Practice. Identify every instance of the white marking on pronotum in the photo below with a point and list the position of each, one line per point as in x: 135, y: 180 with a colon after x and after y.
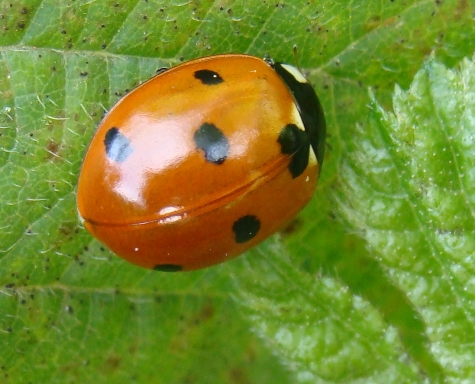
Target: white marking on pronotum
x: 297, y: 118
x: 295, y: 73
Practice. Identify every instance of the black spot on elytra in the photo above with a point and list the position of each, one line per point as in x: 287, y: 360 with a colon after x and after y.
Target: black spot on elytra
x: 294, y: 142
x: 208, y: 77
x: 168, y: 268
x: 246, y: 228
x: 118, y: 147
x: 212, y: 141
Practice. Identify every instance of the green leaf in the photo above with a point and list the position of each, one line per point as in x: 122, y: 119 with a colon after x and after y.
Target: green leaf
x: 323, y: 331
x: 408, y: 188
x: 73, y: 312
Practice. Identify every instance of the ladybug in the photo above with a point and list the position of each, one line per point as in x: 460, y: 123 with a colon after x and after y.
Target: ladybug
x: 202, y: 162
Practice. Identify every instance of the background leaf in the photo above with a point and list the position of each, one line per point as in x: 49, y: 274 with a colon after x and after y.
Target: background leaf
x: 73, y: 312
x: 414, y: 204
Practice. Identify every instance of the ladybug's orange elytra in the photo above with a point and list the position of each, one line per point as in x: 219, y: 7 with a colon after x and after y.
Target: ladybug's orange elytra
x: 202, y: 162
